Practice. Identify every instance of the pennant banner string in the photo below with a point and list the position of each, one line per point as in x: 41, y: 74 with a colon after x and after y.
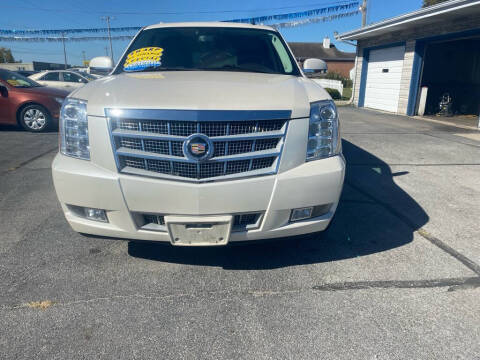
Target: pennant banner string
x: 60, y: 39
x: 282, y: 25
x: 252, y: 20
x: 314, y: 20
x: 68, y: 31
x: 300, y: 14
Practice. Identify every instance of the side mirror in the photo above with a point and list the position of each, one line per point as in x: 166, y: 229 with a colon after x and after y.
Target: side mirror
x: 3, y: 91
x: 313, y: 66
x: 100, y: 65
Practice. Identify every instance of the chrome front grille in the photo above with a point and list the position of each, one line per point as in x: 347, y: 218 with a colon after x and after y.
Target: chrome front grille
x: 151, y: 142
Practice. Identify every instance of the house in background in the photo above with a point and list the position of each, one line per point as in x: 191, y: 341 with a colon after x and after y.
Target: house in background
x: 16, y: 66
x: 337, y: 61
x: 35, y: 65
x: 407, y: 63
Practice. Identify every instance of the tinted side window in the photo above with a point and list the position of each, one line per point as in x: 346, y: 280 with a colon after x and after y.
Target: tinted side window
x: 51, y: 76
x: 71, y: 77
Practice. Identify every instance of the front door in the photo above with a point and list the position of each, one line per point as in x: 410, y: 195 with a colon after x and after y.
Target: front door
x: 52, y: 79
x: 5, y: 104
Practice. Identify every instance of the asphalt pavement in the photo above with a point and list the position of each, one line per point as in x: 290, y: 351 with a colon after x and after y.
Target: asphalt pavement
x: 396, y: 276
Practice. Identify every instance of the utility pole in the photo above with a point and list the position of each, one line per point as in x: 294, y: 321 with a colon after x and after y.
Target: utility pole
x: 108, y: 18
x: 84, y: 58
x: 64, y: 50
x: 363, y: 9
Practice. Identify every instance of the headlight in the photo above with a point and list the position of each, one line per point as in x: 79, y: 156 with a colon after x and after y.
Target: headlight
x: 323, y: 133
x: 74, y: 129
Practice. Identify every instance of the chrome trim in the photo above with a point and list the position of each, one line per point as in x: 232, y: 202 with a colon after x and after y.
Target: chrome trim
x: 112, y: 142
x: 199, y: 115
x: 133, y: 157
x: 186, y: 148
x: 153, y: 136
x: 243, y: 156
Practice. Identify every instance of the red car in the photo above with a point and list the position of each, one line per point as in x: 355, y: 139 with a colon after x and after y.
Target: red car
x: 27, y: 103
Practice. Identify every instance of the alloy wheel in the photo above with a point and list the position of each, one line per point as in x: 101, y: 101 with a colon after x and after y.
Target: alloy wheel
x: 35, y: 119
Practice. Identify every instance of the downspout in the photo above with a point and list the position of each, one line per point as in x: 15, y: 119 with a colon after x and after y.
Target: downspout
x: 350, y: 102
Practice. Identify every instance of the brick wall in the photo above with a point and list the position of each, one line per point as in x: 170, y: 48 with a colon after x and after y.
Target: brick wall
x: 341, y: 67
x: 406, y: 77
x: 357, y: 75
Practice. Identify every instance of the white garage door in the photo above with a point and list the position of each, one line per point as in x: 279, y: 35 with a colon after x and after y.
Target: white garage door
x: 384, y: 73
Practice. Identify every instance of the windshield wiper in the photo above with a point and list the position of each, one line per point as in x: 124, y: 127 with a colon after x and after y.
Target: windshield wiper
x: 219, y: 68
x: 236, y: 68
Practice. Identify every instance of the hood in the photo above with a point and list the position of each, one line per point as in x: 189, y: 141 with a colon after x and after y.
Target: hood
x: 199, y: 90
x: 45, y: 90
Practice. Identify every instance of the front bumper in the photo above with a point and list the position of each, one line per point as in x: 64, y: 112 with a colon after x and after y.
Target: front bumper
x: 83, y: 183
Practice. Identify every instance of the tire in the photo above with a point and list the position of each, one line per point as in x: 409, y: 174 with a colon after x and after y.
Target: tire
x: 35, y: 118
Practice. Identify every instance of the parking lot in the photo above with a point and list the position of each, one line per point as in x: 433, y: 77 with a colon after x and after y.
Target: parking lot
x: 396, y: 276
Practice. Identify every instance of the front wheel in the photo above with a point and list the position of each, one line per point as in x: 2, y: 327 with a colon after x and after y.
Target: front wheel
x: 35, y: 118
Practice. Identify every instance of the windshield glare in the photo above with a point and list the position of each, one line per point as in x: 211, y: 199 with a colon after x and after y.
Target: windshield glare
x: 210, y: 49
x: 16, y: 80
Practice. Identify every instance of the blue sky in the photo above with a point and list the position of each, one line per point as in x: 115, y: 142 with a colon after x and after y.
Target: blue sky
x: 63, y: 14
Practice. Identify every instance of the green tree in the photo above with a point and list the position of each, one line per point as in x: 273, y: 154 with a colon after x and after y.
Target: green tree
x: 427, y: 3
x: 6, y: 55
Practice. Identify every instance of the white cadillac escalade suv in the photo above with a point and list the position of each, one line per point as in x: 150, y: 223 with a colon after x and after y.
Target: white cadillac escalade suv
x: 203, y: 134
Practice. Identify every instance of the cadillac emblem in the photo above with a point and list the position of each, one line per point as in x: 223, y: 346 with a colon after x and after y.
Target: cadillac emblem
x: 198, y: 147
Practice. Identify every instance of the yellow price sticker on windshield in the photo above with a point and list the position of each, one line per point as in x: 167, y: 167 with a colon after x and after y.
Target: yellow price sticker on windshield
x: 143, y: 58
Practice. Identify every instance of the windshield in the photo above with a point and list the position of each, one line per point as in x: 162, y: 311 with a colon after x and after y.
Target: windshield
x: 210, y: 49
x: 16, y: 80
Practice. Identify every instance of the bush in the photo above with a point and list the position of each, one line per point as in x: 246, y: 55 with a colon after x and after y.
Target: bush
x: 334, y: 93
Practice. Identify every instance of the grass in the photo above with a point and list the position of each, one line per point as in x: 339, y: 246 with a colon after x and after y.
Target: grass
x: 347, y: 93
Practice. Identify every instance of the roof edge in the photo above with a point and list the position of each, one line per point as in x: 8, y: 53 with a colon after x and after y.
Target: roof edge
x: 441, y: 8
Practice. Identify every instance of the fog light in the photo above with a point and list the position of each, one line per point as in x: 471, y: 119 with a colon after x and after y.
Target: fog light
x: 301, y: 214
x: 309, y: 212
x: 89, y: 213
x: 96, y: 214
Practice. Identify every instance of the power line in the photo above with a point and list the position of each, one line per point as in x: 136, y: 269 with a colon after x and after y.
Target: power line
x: 71, y: 19
x: 15, y: 34
x: 181, y: 12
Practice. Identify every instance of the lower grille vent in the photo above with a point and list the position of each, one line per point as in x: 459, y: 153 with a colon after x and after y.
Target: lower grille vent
x: 241, y: 222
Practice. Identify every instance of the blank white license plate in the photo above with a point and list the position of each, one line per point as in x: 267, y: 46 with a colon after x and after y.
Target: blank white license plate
x: 199, y: 230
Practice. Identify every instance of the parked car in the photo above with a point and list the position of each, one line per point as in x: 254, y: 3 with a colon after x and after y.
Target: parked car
x: 27, y: 103
x: 62, y: 79
x: 26, y: 73
x: 203, y: 134
x: 79, y: 69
